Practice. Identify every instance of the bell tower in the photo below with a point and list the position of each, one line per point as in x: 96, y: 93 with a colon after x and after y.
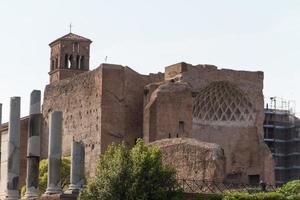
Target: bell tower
x: 70, y: 56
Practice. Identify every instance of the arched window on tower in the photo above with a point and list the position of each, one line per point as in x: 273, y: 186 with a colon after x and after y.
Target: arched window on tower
x: 56, y: 63
x: 66, y: 61
x: 77, y: 62
x: 71, y: 65
x: 82, y: 62
x: 52, y: 65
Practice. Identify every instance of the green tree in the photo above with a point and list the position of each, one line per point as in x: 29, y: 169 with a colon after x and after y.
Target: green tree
x: 136, y: 174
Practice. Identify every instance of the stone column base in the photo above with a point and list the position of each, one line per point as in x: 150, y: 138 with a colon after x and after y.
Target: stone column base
x: 31, y: 193
x: 58, y: 197
x: 53, y: 190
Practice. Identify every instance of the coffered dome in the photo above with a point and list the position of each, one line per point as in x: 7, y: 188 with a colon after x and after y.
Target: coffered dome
x: 224, y: 103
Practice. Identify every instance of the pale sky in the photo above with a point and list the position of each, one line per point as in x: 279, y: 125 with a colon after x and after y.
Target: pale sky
x: 256, y: 35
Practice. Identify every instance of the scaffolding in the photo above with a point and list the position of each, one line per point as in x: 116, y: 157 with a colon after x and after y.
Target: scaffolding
x: 282, y: 135
x: 280, y: 104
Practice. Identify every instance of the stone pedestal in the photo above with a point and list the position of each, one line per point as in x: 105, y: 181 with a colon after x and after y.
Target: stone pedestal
x: 13, y: 151
x: 54, y: 153
x: 58, y: 197
x: 77, y: 167
x: 33, y: 148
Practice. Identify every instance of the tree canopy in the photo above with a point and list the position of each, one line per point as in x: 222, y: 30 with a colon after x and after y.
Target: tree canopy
x: 126, y: 174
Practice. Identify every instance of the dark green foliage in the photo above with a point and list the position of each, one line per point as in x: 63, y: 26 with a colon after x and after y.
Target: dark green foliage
x: 257, y: 196
x: 210, y: 196
x: 289, y: 191
x: 269, y: 196
x: 293, y: 197
x: 290, y: 188
x: 244, y: 196
x: 132, y: 174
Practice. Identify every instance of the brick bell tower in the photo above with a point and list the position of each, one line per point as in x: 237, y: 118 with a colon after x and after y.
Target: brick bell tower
x: 70, y: 56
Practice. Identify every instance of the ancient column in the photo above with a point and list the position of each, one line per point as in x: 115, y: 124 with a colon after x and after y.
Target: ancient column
x: 77, y: 167
x: 54, y: 153
x: 13, y: 151
x: 33, y: 145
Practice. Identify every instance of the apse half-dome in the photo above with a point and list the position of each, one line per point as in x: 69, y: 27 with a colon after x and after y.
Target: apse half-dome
x: 223, y: 103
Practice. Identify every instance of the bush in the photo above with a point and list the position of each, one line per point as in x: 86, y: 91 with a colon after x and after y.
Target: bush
x: 290, y: 188
x: 270, y: 196
x: 210, y: 196
x: 43, y: 175
x: 293, y: 197
x: 257, y: 196
x: 138, y: 173
x: 238, y: 196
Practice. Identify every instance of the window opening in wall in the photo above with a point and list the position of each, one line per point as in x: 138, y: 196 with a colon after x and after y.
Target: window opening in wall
x: 52, y: 64
x: 181, y: 127
x: 169, y: 135
x: 56, y: 63
x: 70, y: 64
x: 82, y: 62
x: 253, y: 179
x: 66, y: 61
x: 78, y: 62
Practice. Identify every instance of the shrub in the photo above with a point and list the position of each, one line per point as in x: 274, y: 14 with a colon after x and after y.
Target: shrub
x: 210, y: 196
x: 238, y: 196
x: 293, y: 197
x: 290, y: 188
x: 270, y: 196
x: 257, y: 196
x: 138, y: 173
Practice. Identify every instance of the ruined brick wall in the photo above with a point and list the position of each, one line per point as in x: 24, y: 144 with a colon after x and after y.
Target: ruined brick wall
x: 193, y: 159
x: 79, y: 98
x: 63, y: 74
x: 99, y: 107
x: 167, y: 111
x: 122, y: 104
x: 228, y: 110
x: 23, y: 150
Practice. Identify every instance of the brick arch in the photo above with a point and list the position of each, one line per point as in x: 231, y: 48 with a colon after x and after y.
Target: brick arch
x: 223, y: 103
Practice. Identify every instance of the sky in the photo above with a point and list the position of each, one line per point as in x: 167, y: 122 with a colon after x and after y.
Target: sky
x: 256, y: 35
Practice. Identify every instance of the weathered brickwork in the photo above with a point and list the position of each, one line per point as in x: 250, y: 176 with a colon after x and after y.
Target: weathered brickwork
x: 79, y: 99
x: 168, y: 111
x: 193, y: 159
x: 228, y: 110
x: 99, y: 107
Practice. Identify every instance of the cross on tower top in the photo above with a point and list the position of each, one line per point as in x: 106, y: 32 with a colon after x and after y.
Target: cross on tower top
x: 70, y: 27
